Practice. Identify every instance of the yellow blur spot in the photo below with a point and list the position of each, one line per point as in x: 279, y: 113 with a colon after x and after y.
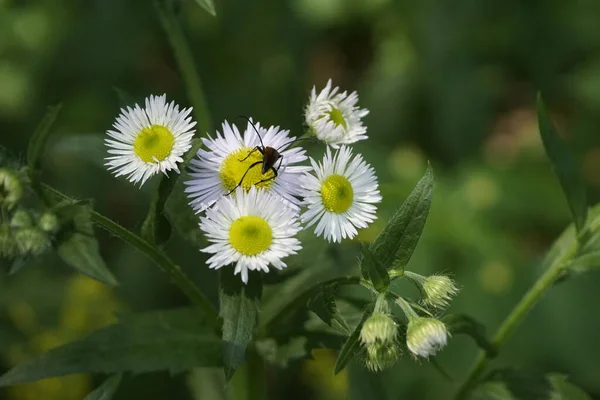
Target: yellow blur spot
x: 318, y: 373
x: 481, y: 192
x: 22, y: 316
x: 496, y: 277
x: 406, y: 163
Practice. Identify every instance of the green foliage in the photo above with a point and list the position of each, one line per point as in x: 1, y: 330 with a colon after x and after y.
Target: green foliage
x: 464, y: 324
x: 323, y: 304
x: 376, y: 271
x: 174, y: 340
x: 156, y: 228
x: 351, y: 346
x: 239, y: 309
x: 37, y: 143
x: 585, y: 262
x: 395, y: 244
x: 564, y: 390
x: 565, y: 166
x: 77, y: 245
x: 107, y: 390
x: 208, y: 5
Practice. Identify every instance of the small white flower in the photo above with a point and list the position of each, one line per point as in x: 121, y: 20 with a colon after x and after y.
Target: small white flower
x: 425, y: 336
x: 334, y: 117
x: 149, y: 140
x: 252, y: 229
x: 341, y: 197
x: 230, y: 157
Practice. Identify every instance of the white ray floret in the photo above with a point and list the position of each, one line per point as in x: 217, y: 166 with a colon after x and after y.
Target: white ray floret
x: 149, y: 140
x: 334, y: 117
x: 252, y: 229
x: 220, y: 166
x: 340, y: 196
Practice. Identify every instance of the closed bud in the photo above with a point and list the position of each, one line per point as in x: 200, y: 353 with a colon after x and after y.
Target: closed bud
x: 425, y: 336
x: 21, y: 219
x: 380, y: 356
x: 11, y: 188
x: 48, y: 222
x: 379, y: 328
x: 439, y: 290
x: 32, y: 241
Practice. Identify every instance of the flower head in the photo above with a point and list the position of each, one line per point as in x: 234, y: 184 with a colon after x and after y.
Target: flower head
x: 439, y: 290
x: 149, y: 140
x: 334, y: 117
x: 252, y: 229
x: 341, y: 197
x: 233, y: 159
x: 11, y: 188
x: 379, y: 327
x: 425, y: 336
x: 380, y: 356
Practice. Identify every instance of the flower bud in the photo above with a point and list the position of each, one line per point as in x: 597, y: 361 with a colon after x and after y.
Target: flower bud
x: 48, y: 222
x: 21, y: 219
x: 380, y: 328
x: 425, y: 336
x: 11, y: 188
x: 381, y: 356
x: 439, y: 290
x: 32, y: 241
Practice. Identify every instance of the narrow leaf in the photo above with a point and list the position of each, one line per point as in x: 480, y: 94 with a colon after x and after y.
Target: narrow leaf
x: 239, y: 309
x: 565, y: 166
x: 156, y: 228
x: 40, y: 136
x: 78, y: 247
x: 395, y: 244
x: 208, y: 5
x: 351, y: 345
x: 107, y: 390
x: 323, y: 304
x: 585, y: 262
x: 476, y: 330
x: 375, y: 270
x: 566, y: 390
x: 174, y: 340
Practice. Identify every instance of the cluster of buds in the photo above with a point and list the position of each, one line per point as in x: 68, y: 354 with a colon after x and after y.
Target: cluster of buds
x: 425, y: 336
x: 379, y: 336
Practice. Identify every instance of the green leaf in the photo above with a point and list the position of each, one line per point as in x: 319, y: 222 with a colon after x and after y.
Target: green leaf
x: 585, y: 262
x: 107, y: 390
x: 37, y: 143
x: 77, y: 245
x: 395, y: 244
x: 376, y: 271
x: 208, y: 5
x: 464, y: 324
x: 86, y: 147
x: 323, y: 304
x: 239, y: 309
x: 177, y: 207
x: 282, y: 354
x: 156, y: 228
x: 565, y: 165
x: 351, y: 346
x: 564, y: 390
x: 174, y: 340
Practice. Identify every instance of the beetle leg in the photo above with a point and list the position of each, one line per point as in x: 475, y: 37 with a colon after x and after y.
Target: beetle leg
x: 252, y: 151
x: 242, y: 180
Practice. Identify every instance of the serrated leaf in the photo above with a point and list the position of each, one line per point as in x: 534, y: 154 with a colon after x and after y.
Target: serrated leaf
x: 565, y: 166
x: 395, y: 244
x: 37, y: 143
x: 564, y: 390
x: 239, y: 309
x: 351, y: 345
x: 208, y: 5
x: 585, y: 262
x: 460, y: 323
x: 177, y: 207
x: 376, y: 271
x: 107, y: 390
x: 323, y: 304
x: 174, y: 340
x: 78, y: 247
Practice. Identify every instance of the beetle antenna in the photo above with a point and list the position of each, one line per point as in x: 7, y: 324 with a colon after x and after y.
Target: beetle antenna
x: 312, y: 139
x: 256, y: 130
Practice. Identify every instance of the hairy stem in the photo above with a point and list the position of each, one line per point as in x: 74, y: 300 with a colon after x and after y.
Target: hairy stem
x: 160, y: 259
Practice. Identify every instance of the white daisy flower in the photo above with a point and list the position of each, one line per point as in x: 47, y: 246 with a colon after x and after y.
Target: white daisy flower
x: 341, y: 197
x: 334, y: 117
x: 231, y: 158
x: 253, y: 229
x: 149, y: 140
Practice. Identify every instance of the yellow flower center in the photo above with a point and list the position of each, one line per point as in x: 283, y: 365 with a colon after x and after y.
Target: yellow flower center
x: 250, y: 235
x: 154, y: 143
x: 336, y: 116
x: 337, y: 193
x: 233, y: 169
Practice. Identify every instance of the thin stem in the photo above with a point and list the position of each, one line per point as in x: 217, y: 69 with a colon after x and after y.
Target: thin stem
x: 547, y: 280
x: 187, y: 66
x: 155, y: 254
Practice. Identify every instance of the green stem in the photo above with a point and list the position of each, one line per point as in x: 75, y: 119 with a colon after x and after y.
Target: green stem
x: 156, y: 255
x: 547, y: 280
x: 187, y: 66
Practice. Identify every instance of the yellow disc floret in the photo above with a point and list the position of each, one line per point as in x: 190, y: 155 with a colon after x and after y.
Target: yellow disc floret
x: 250, y: 235
x: 336, y: 116
x: 153, y: 143
x: 233, y: 169
x: 337, y: 193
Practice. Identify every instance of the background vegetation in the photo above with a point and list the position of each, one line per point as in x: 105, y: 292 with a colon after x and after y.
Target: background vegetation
x: 449, y: 82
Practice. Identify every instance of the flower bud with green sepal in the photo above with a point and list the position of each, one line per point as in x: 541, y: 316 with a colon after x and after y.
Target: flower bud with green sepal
x: 437, y: 290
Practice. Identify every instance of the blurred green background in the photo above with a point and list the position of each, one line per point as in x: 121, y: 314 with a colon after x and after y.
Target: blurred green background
x: 449, y: 82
